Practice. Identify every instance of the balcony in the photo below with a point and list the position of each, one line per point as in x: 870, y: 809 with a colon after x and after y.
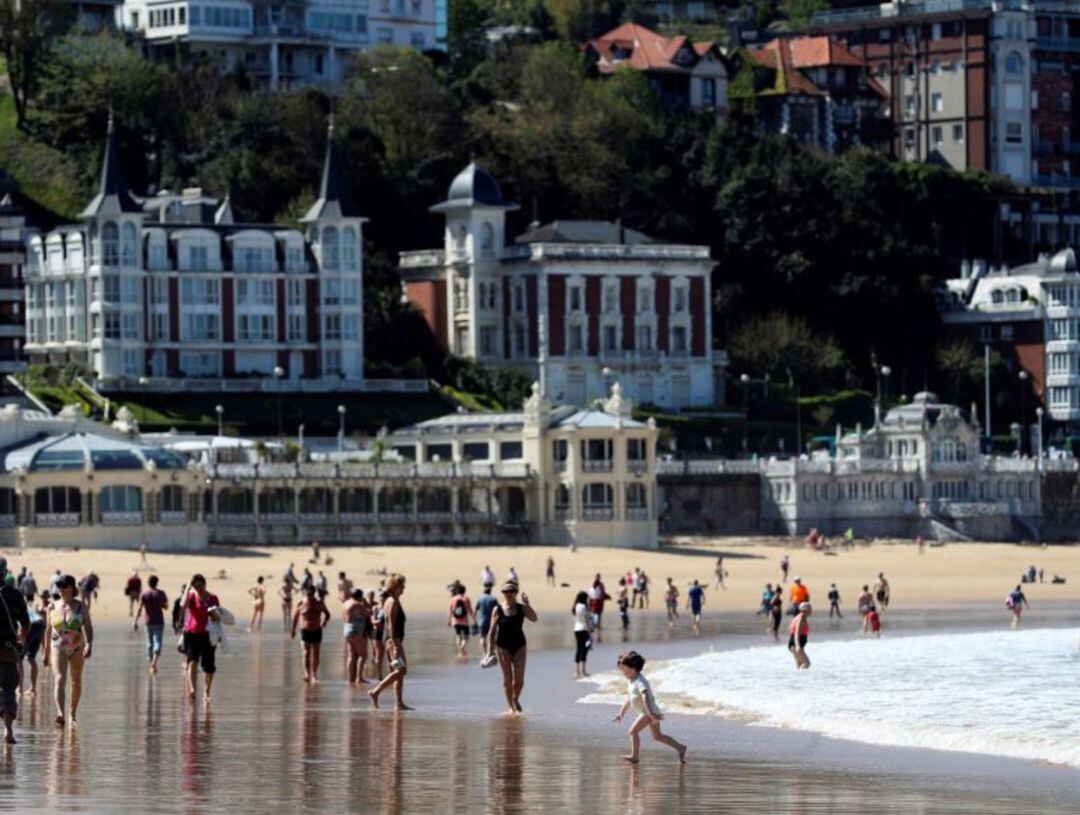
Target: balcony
x: 173, y: 518
x: 637, y: 513
x: 598, y: 513
x: 597, y: 465
x: 121, y: 518
x: 1070, y: 44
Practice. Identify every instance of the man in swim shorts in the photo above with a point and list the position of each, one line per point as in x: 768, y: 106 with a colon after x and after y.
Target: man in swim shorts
x: 315, y: 615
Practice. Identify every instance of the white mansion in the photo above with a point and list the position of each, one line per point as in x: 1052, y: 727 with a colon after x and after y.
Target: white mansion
x: 173, y: 292
x: 579, y: 304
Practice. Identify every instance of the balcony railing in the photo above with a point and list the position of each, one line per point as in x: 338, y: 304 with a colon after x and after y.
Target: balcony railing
x: 597, y: 465
x: 53, y: 519
x: 121, y: 518
x: 598, y: 513
x: 173, y: 518
x: 637, y: 513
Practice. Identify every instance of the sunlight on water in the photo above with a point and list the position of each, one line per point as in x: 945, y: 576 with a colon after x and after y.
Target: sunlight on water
x: 1006, y: 693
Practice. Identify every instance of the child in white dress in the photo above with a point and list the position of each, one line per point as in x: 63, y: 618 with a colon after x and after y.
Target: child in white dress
x: 639, y: 695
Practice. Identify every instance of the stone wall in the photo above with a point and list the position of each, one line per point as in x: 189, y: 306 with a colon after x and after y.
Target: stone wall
x: 714, y: 504
x: 1061, y: 506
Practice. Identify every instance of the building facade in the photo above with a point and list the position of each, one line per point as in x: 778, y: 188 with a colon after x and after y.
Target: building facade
x: 285, y: 44
x: 685, y: 75
x: 578, y: 304
x: 13, y: 234
x: 1055, y: 112
x: 815, y: 90
x: 171, y: 292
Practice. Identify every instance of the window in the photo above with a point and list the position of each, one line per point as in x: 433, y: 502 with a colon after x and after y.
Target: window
x: 332, y: 327
x: 958, y: 134
x: 562, y: 501
x: 708, y: 92
x: 350, y: 327
x: 255, y: 292
x: 128, y: 244
x: 937, y: 103
x: 159, y: 326
x: 510, y: 451
x: 678, y: 339
x: 488, y: 339
x: 57, y: 501
x: 937, y: 137
x: 129, y: 326
x: 385, y: 35
x: 1014, y: 65
x: 349, y: 250
x: 635, y: 449
x: 644, y: 338
x: 597, y: 500
x: 297, y: 327
x: 129, y: 291
x: 475, y: 451
x: 112, y: 325
x: 574, y: 338
x: 1014, y: 132
x: 611, y: 338
x: 197, y: 259
x: 636, y: 502
x: 416, y: 40
x: 131, y: 362
x: 120, y: 499
x: 611, y: 299
x: 199, y: 292
x: 256, y: 327
x: 679, y: 300
x: 560, y: 450
x: 200, y: 327
x: 332, y: 363
x: 200, y: 364
x: 330, y: 248
x: 575, y: 298
x: 110, y: 244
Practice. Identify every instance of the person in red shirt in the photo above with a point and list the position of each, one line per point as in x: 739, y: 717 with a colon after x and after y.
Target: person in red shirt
x: 200, y: 607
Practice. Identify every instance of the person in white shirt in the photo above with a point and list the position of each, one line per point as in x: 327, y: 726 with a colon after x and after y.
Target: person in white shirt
x: 582, y: 633
x: 487, y: 577
x: 639, y: 696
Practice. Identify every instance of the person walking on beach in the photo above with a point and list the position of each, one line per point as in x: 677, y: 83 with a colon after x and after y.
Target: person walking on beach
x: 776, y: 613
x: 800, y: 632
x: 133, y: 591
x: 487, y: 577
x: 315, y: 615
x: 314, y: 552
x: 551, y: 571
x: 485, y: 605
x: 289, y: 578
x: 507, y: 640
x: 88, y: 588
x: 799, y: 594
x: 258, y: 605
x: 720, y: 573
x: 378, y: 630
x: 461, y: 611
x: 14, y: 627
x: 582, y: 633
x: 639, y: 696
x: 344, y: 588
x: 71, y: 637
x: 200, y: 608
x: 153, y: 602
x: 766, y: 600
x: 785, y: 564
x: 357, y: 616
x: 36, y: 610
x: 1016, y: 602
x: 322, y: 587
x: 643, y: 590
x: 834, y: 601
x: 286, y: 595
x: 394, y: 633
x: 597, y: 595
x: 623, y: 599
x: 695, y: 599
x: 178, y: 610
x: 671, y: 600
x: 881, y: 590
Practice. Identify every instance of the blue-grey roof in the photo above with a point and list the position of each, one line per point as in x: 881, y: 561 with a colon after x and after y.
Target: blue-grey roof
x: 593, y: 419
x: 71, y: 451
x: 473, y: 186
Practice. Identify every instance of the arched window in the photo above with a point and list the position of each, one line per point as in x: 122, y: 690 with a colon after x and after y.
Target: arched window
x: 128, y: 244
x: 330, y: 248
x: 597, y: 502
x: 487, y: 238
x: 1014, y: 64
x: 110, y: 244
x: 120, y: 505
x: 349, y: 247
x: 996, y: 296
x: 57, y: 506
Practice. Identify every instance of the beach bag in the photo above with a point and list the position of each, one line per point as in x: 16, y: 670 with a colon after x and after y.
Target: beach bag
x: 459, y: 608
x: 1009, y: 602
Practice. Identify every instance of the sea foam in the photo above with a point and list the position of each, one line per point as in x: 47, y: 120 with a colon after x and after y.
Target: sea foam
x: 1005, y: 693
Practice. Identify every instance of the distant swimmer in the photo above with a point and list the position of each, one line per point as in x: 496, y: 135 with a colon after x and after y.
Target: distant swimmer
x: 1016, y: 602
x: 834, y: 601
x: 800, y: 632
x: 695, y: 599
x: 639, y: 696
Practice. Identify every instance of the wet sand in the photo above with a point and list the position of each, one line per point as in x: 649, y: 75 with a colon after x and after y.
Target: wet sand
x: 950, y: 575
x: 269, y: 743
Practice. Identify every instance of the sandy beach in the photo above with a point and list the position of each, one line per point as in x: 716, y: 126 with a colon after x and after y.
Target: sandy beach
x: 969, y: 574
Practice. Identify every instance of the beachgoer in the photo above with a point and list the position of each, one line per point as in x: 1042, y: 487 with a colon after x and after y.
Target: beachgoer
x: 776, y: 613
x: 720, y: 573
x: 313, y: 611
x: 507, y: 639
x: 357, y: 616
x: 14, y: 628
x: 461, y: 611
x: 200, y: 608
x: 258, y: 605
x: 671, y: 599
x: 597, y: 595
x: 800, y: 632
x: 639, y: 696
x: 920, y: 544
x: 88, y: 588
x: 54, y: 583
x: 307, y: 580
x: 512, y: 576
x: 634, y: 587
x: 178, y: 610
x: 623, y: 599
x: 1016, y: 602
x: 766, y: 600
x: 142, y: 553
x: 286, y: 595
x: 133, y: 591
x: 487, y: 577
x: 785, y: 565
x: 322, y: 587
x: 154, y: 602
x: 866, y: 602
x: 881, y: 590
x: 551, y: 571
x: 344, y: 588
x: 36, y: 610
x: 72, y: 638
x: 314, y: 553
x: 799, y: 594
x: 289, y: 578
x: 834, y: 601
x: 873, y: 621
x: 643, y: 590
x: 29, y: 588
x: 582, y: 633
x: 378, y: 629
x: 695, y: 599
x: 485, y: 605
x: 394, y: 632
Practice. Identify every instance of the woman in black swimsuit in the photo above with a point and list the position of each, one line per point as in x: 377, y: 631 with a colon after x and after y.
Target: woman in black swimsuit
x: 394, y: 633
x: 507, y: 621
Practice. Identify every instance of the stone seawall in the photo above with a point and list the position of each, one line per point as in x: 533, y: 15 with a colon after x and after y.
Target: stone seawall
x: 1061, y: 506
x: 715, y: 504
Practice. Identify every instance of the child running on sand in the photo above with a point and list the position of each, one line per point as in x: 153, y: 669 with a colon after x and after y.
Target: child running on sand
x: 639, y: 695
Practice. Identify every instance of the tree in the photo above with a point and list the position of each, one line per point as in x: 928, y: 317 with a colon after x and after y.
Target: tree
x: 578, y: 20
x: 779, y: 344
x: 27, y: 29
x: 959, y: 360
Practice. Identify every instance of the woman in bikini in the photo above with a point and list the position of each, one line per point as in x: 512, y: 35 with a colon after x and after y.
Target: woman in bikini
x: 394, y: 635
x: 376, y: 631
x: 357, y: 616
x: 800, y: 632
x: 72, y: 635
x: 258, y: 594
x: 507, y: 639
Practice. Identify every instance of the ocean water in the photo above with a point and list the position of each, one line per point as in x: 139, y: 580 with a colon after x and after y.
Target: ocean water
x: 1004, y: 693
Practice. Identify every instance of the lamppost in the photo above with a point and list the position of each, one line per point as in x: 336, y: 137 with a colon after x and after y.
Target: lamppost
x: 606, y: 373
x: 1039, y: 437
x: 220, y: 411
x: 1016, y: 431
x: 1023, y: 376
x: 341, y: 428
x: 279, y: 372
x: 886, y: 372
x: 745, y: 380
x: 143, y: 382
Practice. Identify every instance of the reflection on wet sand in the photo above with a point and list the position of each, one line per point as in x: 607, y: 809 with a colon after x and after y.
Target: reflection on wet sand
x: 506, y: 764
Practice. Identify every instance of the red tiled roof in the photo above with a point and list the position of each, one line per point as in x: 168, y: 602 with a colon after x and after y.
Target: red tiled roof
x: 649, y: 51
x: 818, y: 52
x: 776, y: 54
